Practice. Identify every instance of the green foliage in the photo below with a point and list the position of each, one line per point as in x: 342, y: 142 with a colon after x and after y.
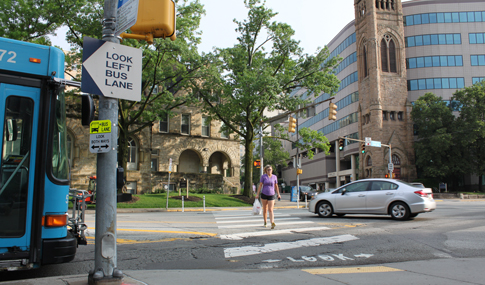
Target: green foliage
x: 450, y: 146
x: 435, y: 125
x: 258, y: 74
x: 471, y: 128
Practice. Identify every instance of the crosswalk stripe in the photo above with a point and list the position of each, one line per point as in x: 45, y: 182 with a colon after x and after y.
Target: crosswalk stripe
x: 259, y: 224
x: 272, y: 247
x: 247, y: 216
x: 240, y: 236
x: 253, y: 220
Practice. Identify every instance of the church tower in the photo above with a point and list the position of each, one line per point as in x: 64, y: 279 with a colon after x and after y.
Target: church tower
x: 384, y: 109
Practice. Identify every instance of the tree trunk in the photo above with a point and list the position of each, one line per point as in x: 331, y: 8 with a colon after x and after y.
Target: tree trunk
x: 480, y: 182
x: 248, y: 163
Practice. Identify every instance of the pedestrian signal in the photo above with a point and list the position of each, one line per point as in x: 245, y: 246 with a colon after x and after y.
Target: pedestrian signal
x: 299, y: 171
x: 257, y: 163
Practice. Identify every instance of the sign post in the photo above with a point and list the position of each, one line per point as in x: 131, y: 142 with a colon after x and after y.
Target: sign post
x: 168, y: 188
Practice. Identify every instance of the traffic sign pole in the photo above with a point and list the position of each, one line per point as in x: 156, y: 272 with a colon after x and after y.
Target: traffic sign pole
x: 105, y: 251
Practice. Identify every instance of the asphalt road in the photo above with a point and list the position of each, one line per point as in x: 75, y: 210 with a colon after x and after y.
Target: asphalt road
x: 233, y: 239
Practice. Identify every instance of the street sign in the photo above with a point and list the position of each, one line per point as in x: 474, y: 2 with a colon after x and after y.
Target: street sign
x: 375, y: 144
x: 390, y: 167
x: 100, y: 136
x: 100, y: 127
x: 126, y: 14
x: 111, y: 70
x: 368, y: 141
x: 170, y: 165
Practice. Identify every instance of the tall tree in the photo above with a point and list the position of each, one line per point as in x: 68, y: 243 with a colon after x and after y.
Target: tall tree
x: 435, y: 125
x: 471, y: 126
x: 258, y: 74
x: 33, y: 20
x: 167, y: 68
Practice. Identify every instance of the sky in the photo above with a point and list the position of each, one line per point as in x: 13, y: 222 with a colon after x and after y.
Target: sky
x: 316, y: 22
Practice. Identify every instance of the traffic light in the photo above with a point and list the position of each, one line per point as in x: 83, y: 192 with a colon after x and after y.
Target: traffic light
x: 155, y: 19
x: 292, y: 125
x: 332, y: 112
x: 299, y: 171
x: 362, y: 148
x: 340, y: 144
x: 257, y: 163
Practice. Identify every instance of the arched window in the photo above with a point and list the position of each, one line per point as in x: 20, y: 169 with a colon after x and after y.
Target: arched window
x: 369, y: 161
x: 396, y: 160
x: 132, y: 155
x: 388, y: 54
x: 366, y: 70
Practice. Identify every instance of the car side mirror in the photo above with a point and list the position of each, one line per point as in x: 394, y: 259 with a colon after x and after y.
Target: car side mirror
x: 344, y: 191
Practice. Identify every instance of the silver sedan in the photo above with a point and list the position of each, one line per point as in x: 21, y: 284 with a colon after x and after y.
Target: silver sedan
x: 392, y: 197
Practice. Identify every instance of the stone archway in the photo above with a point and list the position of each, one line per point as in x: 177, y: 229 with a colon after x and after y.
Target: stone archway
x: 219, y: 163
x: 189, y: 162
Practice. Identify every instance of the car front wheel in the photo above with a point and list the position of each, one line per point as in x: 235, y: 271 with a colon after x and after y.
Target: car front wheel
x: 400, y: 211
x: 324, y: 209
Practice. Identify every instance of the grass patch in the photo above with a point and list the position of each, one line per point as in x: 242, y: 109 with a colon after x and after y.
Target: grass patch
x: 174, y: 201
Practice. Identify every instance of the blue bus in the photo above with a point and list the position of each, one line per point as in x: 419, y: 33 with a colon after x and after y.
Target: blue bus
x: 35, y: 228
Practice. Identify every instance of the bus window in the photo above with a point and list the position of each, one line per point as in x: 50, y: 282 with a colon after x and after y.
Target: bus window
x: 14, y: 171
x: 60, y: 162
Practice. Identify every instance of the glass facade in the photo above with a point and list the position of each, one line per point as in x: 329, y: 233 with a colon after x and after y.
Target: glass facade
x: 434, y: 61
x: 453, y: 17
x: 476, y: 38
x: 436, y: 83
x: 434, y: 39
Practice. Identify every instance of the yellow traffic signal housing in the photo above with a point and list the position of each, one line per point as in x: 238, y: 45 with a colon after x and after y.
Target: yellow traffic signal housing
x: 292, y: 125
x: 299, y: 171
x: 156, y: 19
x: 332, y: 112
x: 362, y: 148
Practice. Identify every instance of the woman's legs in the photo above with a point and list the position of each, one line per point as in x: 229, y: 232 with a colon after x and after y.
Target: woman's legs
x: 265, y: 207
x: 270, y: 204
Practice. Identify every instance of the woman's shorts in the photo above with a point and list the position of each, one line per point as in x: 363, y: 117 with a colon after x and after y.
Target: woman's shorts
x: 266, y: 197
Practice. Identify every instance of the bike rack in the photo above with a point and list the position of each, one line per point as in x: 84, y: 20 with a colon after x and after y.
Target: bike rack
x: 76, y: 221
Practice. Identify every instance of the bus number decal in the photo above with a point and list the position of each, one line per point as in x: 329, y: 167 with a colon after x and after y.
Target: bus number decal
x: 12, y: 53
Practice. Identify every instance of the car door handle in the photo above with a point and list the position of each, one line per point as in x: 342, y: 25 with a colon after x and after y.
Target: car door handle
x: 389, y: 193
x: 361, y: 195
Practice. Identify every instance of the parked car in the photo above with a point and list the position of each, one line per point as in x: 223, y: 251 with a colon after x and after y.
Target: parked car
x: 396, y: 198
x: 306, y: 191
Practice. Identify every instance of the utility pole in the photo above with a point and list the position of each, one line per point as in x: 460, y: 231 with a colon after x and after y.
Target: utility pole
x: 261, y: 168
x: 105, y: 252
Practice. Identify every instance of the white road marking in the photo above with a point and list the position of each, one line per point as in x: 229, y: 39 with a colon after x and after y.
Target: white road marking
x: 272, y: 247
x: 253, y: 220
x: 247, y: 216
x: 260, y: 224
x: 240, y: 236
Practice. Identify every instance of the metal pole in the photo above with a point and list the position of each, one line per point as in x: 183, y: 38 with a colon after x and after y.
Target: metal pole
x: 105, y: 251
x: 298, y: 165
x: 168, y: 190
x: 261, y: 168
x: 390, y: 161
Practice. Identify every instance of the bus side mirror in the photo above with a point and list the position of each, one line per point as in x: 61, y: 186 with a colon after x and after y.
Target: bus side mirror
x: 11, y: 130
x: 87, y: 109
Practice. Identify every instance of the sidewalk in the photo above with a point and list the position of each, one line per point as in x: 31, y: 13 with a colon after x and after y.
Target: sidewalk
x: 436, y: 271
